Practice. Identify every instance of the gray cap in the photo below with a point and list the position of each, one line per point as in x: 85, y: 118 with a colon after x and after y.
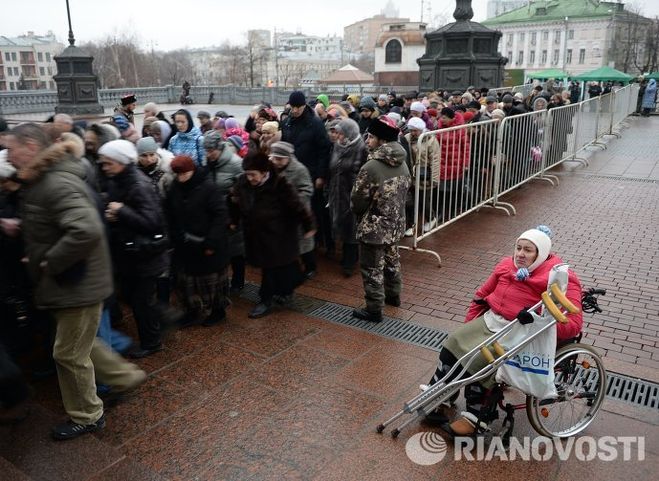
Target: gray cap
x: 491, y: 99
x: 213, y: 140
x: 146, y: 145
x: 203, y: 113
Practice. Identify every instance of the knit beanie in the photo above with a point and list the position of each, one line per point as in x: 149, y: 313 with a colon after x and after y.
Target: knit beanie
x: 297, y: 99
x: 282, y: 149
x: 448, y: 112
x: 367, y: 103
x: 121, y: 151
x: 146, y: 145
x: 256, y: 161
x: 236, y: 141
x: 231, y: 123
x: 541, y: 238
x: 182, y: 164
x: 416, y: 123
x: 417, y: 107
x: 323, y: 99
x: 212, y: 140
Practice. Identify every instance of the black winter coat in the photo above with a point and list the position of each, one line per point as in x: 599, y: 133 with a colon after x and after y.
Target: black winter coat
x: 198, y: 222
x: 312, y: 145
x: 270, y: 214
x: 139, y: 220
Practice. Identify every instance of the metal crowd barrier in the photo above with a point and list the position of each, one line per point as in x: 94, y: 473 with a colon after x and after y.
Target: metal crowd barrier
x: 478, y: 163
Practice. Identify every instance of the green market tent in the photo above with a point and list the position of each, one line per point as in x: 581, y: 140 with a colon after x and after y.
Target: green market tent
x: 654, y: 75
x: 604, y: 74
x: 547, y: 74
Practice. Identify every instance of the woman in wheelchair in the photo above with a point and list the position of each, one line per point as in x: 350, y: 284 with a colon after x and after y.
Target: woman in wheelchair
x: 516, y: 283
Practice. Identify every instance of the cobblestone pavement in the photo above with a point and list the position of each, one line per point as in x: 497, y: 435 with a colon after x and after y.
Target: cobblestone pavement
x: 294, y: 397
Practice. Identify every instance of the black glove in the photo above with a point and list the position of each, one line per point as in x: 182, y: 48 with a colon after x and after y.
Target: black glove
x: 524, y: 316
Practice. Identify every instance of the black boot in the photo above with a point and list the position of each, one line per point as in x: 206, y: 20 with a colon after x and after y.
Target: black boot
x: 365, y: 315
x: 392, y: 301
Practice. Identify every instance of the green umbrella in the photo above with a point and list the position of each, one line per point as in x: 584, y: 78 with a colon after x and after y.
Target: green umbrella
x: 549, y: 73
x: 604, y: 74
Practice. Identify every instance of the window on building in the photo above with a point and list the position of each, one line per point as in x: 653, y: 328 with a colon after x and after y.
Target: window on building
x: 7, y: 56
x: 568, y: 57
x: 51, y: 84
x: 510, y: 55
x: 13, y: 56
x: 543, y: 58
x: 393, y: 52
x: 532, y: 57
x: 522, y: 36
x: 554, y: 58
x: 40, y: 56
x: 570, y: 34
x: 557, y: 36
x: 16, y: 71
x: 12, y: 86
x: 42, y: 71
x: 582, y: 55
x: 534, y: 38
x: 545, y: 35
x: 47, y: 56
x: 50, y: 71
x: 520, y: 57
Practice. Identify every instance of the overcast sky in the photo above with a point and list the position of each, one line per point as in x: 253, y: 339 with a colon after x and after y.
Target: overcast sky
x: 172, y: 24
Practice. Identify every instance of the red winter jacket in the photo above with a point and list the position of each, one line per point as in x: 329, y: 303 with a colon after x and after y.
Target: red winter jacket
x: 507, y: 296
x: 454, y: 150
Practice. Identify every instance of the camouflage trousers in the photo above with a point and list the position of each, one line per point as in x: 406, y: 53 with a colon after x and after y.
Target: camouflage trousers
x: 380, y: 267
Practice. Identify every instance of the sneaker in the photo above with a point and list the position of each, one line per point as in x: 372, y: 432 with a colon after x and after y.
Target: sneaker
x: 409, y: 232
x: 365, y: 315
x: 72, y: 430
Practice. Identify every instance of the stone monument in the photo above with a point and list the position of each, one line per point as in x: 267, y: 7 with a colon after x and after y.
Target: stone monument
x: 77, y: 92
x: 461, y: 54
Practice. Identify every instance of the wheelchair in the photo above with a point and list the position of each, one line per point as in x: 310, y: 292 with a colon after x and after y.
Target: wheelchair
x: 580, y: 378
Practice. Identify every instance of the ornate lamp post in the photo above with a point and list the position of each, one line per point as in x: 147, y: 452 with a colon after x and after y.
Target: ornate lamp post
x: 77, y: 92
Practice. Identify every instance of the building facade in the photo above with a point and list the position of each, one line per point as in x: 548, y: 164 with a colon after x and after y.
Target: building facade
x: 360, y: 37
x: 397, y: 49
x: 499, y: 7
x: 27, y: 62
x: 573, y: 35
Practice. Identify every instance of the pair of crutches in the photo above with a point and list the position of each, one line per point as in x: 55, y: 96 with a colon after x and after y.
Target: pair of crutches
x: 440, y: 392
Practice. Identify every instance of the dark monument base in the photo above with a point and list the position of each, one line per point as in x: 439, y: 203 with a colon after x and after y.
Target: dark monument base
x: 461, y: 54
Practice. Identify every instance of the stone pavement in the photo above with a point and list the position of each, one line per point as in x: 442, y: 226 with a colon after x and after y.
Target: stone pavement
x: 292, y: 397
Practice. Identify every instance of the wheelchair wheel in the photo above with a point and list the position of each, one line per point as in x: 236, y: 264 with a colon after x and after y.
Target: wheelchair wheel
x: 581, y: 385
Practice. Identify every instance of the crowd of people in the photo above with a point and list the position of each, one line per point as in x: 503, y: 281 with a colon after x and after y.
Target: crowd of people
x: 100, y: 218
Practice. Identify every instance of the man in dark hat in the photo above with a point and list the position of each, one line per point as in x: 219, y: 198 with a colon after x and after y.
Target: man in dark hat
x: 307, y: 133
x: 378, y: 202
x: 127, y: 108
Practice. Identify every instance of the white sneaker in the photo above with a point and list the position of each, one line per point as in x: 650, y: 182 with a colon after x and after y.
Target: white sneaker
x: 409, y: 232
x: 428, y: 226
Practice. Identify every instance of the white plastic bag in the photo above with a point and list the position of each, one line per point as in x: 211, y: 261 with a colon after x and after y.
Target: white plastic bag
x: 532, y: 369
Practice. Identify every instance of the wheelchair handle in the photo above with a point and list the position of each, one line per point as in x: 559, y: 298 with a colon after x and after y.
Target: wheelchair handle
x: 597, y: 292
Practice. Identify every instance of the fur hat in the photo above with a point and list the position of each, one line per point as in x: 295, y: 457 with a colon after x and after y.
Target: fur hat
x: 182, y: 164
x: 256, y: 161
x: 384, y: 128
x: 270, y: 127
x: 128, y: 99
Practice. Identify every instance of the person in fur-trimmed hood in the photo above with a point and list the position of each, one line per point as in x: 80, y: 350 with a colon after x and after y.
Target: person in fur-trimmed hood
x: 69, y: 262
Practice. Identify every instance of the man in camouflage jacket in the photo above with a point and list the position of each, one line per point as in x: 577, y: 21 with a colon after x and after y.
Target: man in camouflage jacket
x: 378, y: 202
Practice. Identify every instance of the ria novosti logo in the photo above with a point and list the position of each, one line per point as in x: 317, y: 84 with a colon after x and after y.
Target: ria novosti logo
x: 428, y: 448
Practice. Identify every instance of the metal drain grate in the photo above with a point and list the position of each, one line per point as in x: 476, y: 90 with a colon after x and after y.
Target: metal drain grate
x: 632, y: 391
x: 422, y: 336
x: 619, y: 387
x: 620, y: 178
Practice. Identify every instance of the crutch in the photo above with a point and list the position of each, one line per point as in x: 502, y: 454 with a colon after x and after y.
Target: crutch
x: 441, y: 391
